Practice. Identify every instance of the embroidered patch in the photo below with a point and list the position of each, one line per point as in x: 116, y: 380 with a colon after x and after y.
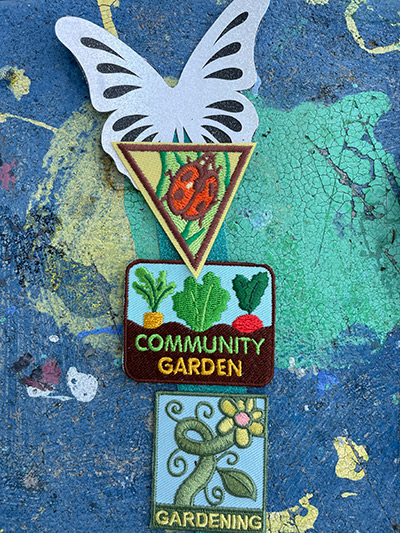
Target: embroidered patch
x: 209, y: 462
x: 189, y: 188
x: 216, y: 330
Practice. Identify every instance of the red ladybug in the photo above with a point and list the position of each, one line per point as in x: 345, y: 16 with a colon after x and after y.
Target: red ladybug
x: 194, y: 188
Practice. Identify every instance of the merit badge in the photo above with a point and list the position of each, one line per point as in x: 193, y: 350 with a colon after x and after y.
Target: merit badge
x: 188, y: 188
x: 217, y: 329
x: 209, y: 462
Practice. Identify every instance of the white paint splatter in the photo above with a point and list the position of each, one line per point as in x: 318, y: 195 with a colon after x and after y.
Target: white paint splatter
x: 300, y: 372
x: 83, y: 386
x: 54, y: 338
x: 318, y: 2
x: 33, y: 392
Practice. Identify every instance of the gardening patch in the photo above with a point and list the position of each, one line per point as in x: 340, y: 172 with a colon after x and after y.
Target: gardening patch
x: 209, y: 462
x: 214, y: 330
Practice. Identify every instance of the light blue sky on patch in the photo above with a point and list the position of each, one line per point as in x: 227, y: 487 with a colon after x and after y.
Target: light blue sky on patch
x: 177, y: 273
x: 252, y: 460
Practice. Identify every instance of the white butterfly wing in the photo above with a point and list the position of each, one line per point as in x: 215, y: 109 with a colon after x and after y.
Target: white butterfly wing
x: 120, y: 81
x: 221, y: 65
x: 206, y: 103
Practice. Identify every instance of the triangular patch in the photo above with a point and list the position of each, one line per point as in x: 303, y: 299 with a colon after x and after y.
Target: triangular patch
x: 189, y: 188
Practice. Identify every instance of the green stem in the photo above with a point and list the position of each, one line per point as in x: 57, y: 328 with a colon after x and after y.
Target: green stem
x: 179, y: 159
x: 203, y: 316
x: 196, y: 482
x: 152, y: 305
x: 228, y: 170
x: 160, y: 184
x: 194, y: 237
x: 206, y: 449
x: 185, y: 232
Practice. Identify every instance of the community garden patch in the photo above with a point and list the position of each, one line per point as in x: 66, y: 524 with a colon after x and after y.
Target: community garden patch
x: 217, y: 329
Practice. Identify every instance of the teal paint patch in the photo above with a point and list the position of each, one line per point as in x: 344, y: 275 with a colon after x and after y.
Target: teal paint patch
x: 318, y: 203
x: 142, y: 222
x: 216, y: 330
x: 209, y: 462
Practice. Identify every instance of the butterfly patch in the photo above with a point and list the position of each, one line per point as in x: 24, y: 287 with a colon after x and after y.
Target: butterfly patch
x: 189, y: 188
x: 214, y: 330
x: 206, y: 105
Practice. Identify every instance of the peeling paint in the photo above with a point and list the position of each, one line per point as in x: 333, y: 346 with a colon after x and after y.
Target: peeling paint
x: 106, y: 15
x: 312, y: 163
x: 291, y: 521
x: 94, y: 230
x: 83, y: 386
x: 351, y: 10
x: 318, y: 2
x: 7, y: 176
x: 5, y: 116
x: 351, y: 459
x: 18, y: 81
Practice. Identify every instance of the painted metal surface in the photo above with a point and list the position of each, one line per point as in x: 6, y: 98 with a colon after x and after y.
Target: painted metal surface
x: 319, y: 203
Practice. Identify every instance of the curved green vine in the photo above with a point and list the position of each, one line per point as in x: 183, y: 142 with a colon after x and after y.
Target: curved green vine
x: 177, y: 463
x: 217, y: 493
x: 211, y: 445
x: 206, y: 449
x: 206, y: 414
x: 174, y: 408
x: 193, y: 436
x: 233, y: 457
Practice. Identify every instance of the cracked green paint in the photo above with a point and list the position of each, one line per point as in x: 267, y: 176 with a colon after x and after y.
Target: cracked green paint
x: 317, y: 203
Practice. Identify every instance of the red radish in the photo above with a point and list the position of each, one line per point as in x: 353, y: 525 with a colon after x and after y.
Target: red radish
x: 249, y: 293
x: 247, y: 323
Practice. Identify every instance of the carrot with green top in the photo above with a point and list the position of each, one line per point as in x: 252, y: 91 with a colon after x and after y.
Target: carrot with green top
x: 153, y: 291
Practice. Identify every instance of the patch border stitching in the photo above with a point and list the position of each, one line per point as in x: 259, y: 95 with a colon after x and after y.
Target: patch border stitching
x: 199, y: 259
x: 219, y: 263
x: 263, y: 512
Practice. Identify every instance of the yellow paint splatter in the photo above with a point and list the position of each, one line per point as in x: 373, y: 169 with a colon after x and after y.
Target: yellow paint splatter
x: 318, y: 2
x: 348, y: 494
x: 5, y: 116
x: 349, y: 16
x: 106, y: 15
x: 93, y: 229
x: 171, y: 82
x: 350, y: 459
x: 291, y: 521
x: 18, y: 82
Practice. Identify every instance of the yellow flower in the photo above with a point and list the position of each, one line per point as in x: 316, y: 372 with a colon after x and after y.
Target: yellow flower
x: 243, y: 418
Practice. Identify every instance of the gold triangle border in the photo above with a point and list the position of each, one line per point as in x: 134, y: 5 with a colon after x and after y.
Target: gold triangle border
x: 246, y: 150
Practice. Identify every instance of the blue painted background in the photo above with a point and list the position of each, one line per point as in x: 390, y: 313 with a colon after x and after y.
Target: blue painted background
x: 71, y: 466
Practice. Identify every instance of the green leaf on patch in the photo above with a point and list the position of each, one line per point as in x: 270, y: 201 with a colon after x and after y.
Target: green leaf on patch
x: 237, y: 483
x: 201, y: 304
x: 250, y: 291
x: 151, y: 289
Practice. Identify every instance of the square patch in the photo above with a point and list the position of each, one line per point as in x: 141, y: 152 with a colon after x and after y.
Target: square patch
x: 215, y: 330
x: 210, y: 462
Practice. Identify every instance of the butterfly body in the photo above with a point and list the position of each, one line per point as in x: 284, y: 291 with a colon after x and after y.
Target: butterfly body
x: 206, y: 105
